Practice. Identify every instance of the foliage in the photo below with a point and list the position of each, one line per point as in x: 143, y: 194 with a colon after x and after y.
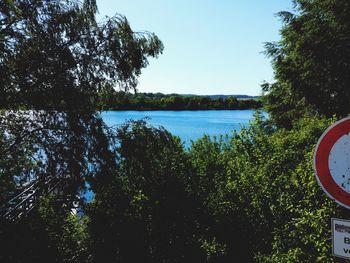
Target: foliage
x: 40, y: 145
x: 251, y: 196
x: 55, y: 55
x: 54, y: 59
x: 260, y: 188
x: 311, y: 62
x: 50, y: 234
x: 110, y: 99
x: 145, y: 212
x: 274, y: 183
x: 209, y: 183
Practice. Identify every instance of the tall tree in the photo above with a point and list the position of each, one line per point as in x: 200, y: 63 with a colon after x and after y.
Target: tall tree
x: 54, y: 59
x: 311, y: 61
x: 56, y: 55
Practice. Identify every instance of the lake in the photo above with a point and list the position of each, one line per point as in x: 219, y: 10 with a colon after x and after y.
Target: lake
x: 188, y: 125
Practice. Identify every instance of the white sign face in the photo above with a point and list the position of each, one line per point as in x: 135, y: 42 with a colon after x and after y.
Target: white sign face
x: 341, y: 238
x: 339, y: 162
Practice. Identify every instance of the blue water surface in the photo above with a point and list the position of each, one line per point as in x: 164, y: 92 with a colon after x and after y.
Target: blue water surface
x: 188, y: 125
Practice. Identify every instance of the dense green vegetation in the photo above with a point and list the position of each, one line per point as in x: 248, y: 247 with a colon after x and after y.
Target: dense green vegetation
x: 111, y: 99
x: 250, y: 196
x: 311, y: 62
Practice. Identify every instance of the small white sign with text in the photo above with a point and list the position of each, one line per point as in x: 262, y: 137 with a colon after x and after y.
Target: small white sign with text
x: 341, y: 238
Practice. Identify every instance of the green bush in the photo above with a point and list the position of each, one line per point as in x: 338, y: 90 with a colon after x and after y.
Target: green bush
x: 145, y: 212
x: 260, y: 186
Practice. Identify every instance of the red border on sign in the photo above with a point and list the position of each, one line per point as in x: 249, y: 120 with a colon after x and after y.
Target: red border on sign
x: 321, y: 166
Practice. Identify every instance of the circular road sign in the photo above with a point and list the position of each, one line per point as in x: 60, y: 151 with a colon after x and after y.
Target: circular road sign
x: 332, y: 162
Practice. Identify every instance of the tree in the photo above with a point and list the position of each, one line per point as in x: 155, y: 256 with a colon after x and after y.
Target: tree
x: 311, y: 62
x: 54, y: 59
x: 55, y: 55
x: 146, y: 207
x: 232, y: 102
x: 49, y: 234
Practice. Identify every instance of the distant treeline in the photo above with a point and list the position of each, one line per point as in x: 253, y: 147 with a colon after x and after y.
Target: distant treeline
x: 118, y: 100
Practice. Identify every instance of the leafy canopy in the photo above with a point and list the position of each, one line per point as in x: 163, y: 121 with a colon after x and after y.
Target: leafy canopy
x: 311, y: 61
x: 55, y: 55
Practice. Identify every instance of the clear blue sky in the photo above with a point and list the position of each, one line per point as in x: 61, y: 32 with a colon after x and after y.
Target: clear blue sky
x: 211, y: 47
